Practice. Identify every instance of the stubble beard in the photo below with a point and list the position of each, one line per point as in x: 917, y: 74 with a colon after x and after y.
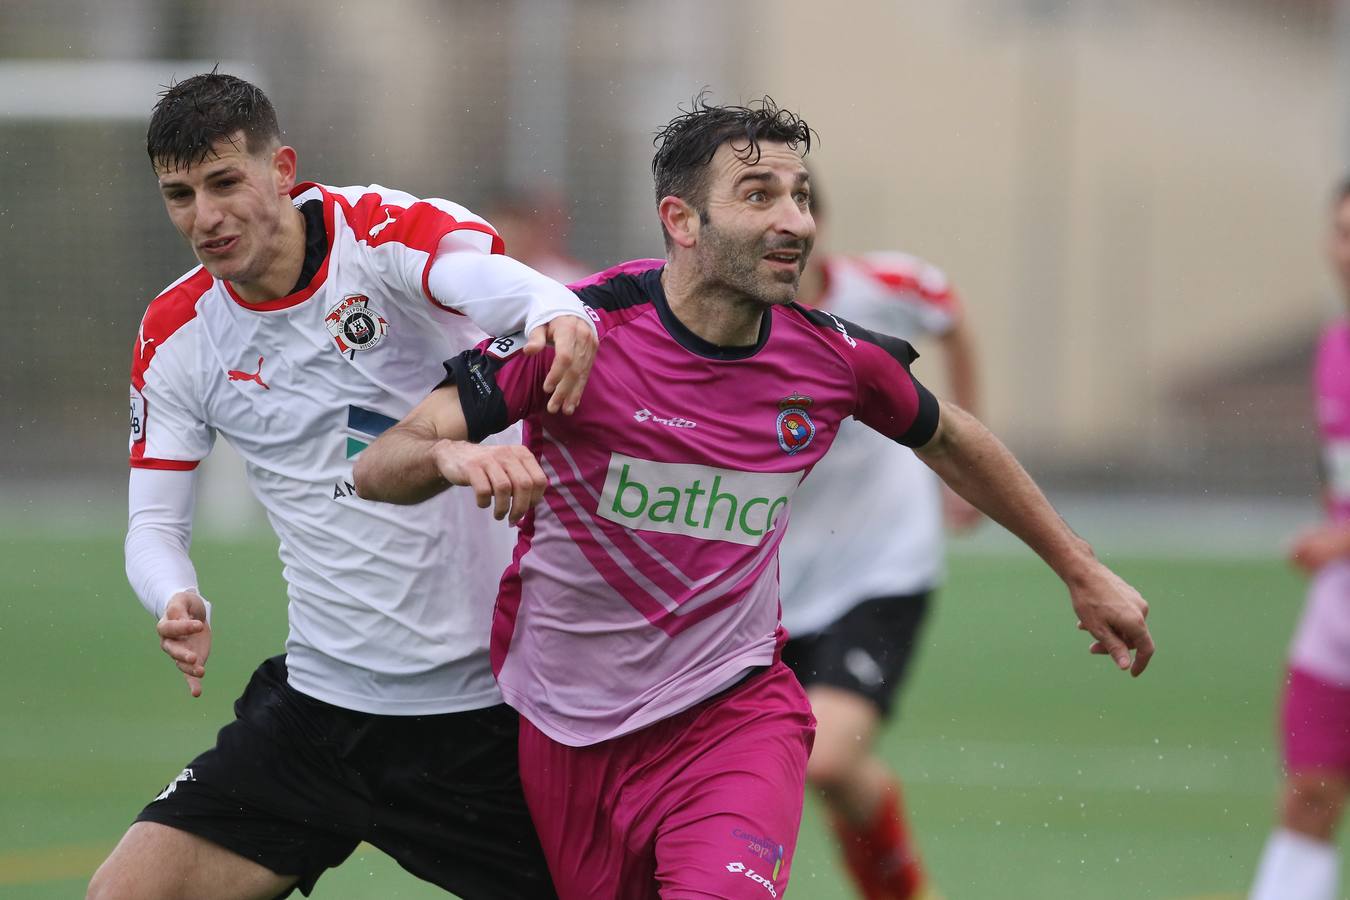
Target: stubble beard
x: 733, y: 265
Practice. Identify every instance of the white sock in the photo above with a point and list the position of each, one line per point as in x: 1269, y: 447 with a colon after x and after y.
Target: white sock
x: 1296, y: 867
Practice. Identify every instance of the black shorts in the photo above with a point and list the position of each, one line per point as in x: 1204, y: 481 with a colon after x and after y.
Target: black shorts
x: 295, y: 784
x: 866, y: 651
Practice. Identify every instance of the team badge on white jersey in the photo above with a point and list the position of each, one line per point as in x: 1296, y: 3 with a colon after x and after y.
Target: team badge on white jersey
x: 354, y: 325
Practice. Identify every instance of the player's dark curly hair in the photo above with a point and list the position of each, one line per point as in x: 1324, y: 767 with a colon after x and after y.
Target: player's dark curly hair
x: 687, y: 143
x: 194, y: 114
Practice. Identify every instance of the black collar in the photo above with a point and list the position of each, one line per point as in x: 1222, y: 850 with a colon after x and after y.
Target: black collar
x: 651, y: 282
x: 316, y: 242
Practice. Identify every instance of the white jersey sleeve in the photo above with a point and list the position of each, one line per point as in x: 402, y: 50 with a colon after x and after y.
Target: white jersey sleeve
x: 441, y: 250
x: 159, y: 532
x: 501, y: 295
x: 168, y: 429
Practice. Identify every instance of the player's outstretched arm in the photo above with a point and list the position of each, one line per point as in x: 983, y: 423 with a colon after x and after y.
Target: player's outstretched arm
x: 977, y: 466
x: 1316, y: 547
x: 159, y: 531
x: 428, y: 452
x: 958, y: 353
x: 503, y: 295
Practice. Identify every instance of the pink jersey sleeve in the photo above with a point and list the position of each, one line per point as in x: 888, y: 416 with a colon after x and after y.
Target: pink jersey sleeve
x: 889, y: 399
x: 1331, y: 381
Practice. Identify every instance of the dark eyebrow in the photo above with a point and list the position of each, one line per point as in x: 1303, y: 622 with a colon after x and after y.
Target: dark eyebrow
x: 228, y: 170
x: 752, y: 175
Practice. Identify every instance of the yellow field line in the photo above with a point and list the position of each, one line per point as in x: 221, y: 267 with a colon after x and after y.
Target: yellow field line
x: 58, y: 863
x: 64, y: 862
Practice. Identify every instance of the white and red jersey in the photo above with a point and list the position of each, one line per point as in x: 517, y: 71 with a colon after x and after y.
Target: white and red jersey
x: 647, y: 579
x: 869, y: 523
x: 389, y: 606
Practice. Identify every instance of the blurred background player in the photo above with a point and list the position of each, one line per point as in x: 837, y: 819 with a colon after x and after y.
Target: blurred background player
x: 1301, y: 861
x: 534, y: 224
x: 861, y: 560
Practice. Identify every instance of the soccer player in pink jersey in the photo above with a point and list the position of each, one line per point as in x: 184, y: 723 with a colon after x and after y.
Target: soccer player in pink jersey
x: 1300, y: 861
x: 663, y: 742
x: 862, y: 561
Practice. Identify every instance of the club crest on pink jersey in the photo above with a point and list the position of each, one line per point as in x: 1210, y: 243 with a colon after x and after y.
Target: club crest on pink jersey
x: 794, y: 426
x: 354, y: 325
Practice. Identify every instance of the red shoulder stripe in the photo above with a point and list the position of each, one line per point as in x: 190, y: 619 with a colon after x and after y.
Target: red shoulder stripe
x: 920, y: 280
x: 166, y: 314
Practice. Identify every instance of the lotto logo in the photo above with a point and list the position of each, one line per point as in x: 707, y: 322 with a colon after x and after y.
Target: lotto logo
x: 740, y: 868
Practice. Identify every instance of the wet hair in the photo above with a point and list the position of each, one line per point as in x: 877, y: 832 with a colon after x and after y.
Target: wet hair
x: 195, y: 114
x: 688, y: 142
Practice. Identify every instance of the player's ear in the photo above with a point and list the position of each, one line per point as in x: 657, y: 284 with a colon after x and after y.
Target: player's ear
x: 680, y: 220
x: 284, y: 168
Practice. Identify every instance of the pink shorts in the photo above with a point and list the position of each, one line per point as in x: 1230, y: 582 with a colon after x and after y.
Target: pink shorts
x: 703, y: 804
x: 1316, y: 723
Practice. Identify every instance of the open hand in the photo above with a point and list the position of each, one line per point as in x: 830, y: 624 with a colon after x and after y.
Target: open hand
x: 506, y: 476
x: 574, y: 344
x: 185, y: 635
x: 1113, y: 613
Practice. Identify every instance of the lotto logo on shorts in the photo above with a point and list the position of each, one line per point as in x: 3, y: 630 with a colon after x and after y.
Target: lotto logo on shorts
x: 740, y: 868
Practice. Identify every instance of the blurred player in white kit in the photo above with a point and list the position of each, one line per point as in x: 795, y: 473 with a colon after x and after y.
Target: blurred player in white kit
x: 861, y: 561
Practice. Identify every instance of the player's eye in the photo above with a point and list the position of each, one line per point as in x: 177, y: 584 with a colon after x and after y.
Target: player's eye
x: 756, y: 196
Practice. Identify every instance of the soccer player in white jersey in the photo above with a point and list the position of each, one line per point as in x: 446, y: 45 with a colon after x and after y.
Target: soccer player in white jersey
x: 1301, y: 861
x: 663, y: 742
x: 318, y: 317
x: 861, y: 561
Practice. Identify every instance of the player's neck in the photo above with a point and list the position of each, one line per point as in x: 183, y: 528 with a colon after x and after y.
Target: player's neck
x: 719, y: 316
x: 281, y: 275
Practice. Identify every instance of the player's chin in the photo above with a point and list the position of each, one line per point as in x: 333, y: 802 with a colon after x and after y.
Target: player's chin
x: 779, y: 291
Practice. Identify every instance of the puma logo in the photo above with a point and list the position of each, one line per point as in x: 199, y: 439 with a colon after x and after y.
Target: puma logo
x: 145, y: 341
x: 236, y: 375
x: 389, y: 220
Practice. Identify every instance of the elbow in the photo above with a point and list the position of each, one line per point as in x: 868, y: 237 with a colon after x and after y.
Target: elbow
x: 365, y: 480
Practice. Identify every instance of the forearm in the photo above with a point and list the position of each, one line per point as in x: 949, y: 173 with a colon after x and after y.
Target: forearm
x: 962, y: 374
x: 501, y: 295
x: 400, y: 466
x: 159, y: 533
x: 969, y: 458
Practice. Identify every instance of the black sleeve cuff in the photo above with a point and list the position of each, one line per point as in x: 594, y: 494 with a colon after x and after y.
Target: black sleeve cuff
x: 480, y: 398
x: 925, y: 421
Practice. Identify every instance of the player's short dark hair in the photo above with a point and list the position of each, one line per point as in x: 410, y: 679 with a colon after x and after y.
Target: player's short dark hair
x: 687, y: 143
x: 196, y: 113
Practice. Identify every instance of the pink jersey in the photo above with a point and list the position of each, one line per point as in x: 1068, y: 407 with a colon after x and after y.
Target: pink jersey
x: 1331, y: 380
x: 647, y: 579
